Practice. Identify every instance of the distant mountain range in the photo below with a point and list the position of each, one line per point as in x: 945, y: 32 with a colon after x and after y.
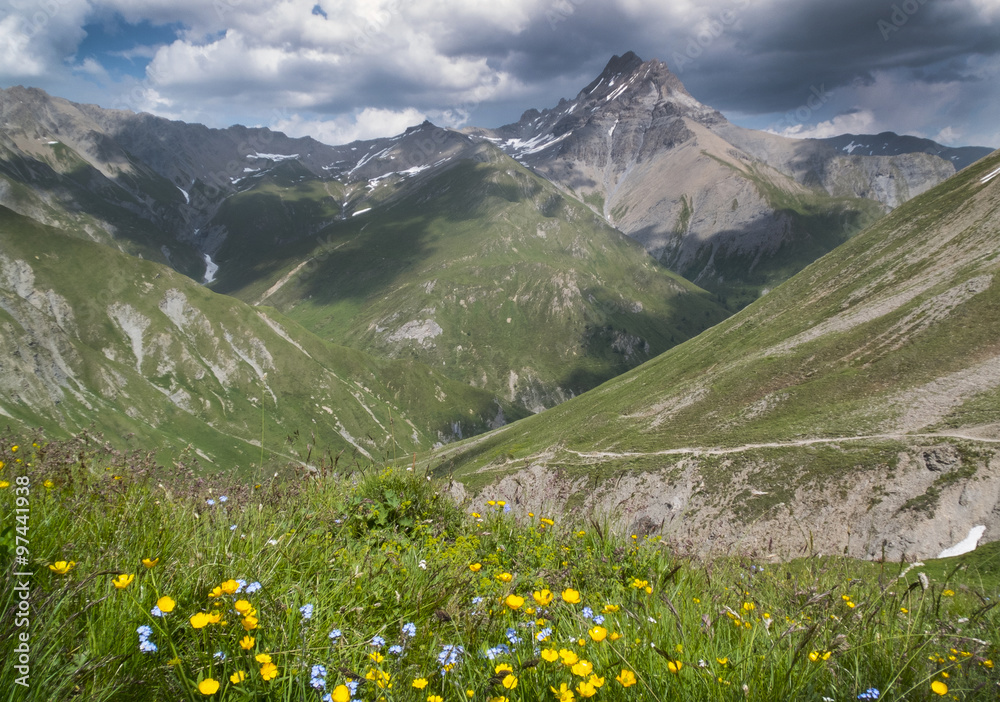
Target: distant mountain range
x: 508, y: 269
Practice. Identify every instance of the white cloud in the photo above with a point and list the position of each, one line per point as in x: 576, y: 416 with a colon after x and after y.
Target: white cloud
x: 369, y: 123
x: 855, y: 122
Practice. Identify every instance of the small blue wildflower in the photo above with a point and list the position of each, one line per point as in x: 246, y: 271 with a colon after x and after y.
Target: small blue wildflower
x: 147, y: 646
x: 307, y: 611
x: 544, y: 634
x: 144, y: 631
x: 477, y: 600
x: 253, y: 587
x: 220, y: 656
x: 232, y: 528
x: 512, y: 636
x: 210, y: 502
x: 336, y: 634
x: 587, y: 613
x: 326, y: 698
x: 377, y: 641
x: 352, y: 685
x: 395, y: 650
x: 450, y: 655
x: 156, y: 611
x: 240, y: 582
x: 222, y: 498
x: 506, y: 509
x: 497, y: 651
x: 599, y: 619
x: 318, y: 677
x: 410, y: 629
x: 870, y: 694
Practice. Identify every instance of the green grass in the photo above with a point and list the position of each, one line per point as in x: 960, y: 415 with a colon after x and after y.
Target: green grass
x: 370, y: 552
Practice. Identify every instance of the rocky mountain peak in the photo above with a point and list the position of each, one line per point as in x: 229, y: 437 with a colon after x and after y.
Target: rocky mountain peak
x: 617, y: 66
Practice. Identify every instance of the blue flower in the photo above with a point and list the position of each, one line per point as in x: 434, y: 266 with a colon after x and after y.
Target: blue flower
x: 587, y: 613
x: 222, y: 498
x: 477, y: 600
x: 512, y: 636
x: 253, y: 587
x: 240, y: 582
x: 352, y: 685
x: 147, y: 646
x: 156, y: 612
x: 210, y: 502
x: 497, y: 651
x: 395, y: 650
x: 307, y: 611
x: 144, y: 631
x: 318, y: 677
x: 336, y: 634
x: 599, y: 619
x: 410, y: 629
x: 232, y: 528
x: 220, y: 656
x: 377, y: 641
x: 544, y: 634
x: 450, y: 655
x: 871, y: 693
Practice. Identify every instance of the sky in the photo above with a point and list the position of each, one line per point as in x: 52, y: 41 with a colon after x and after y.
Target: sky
x: 340, y: 70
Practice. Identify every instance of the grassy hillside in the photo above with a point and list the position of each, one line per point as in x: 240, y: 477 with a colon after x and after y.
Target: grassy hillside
x: 857, y: 360
x: 376, y: 586
x: 488, y: 274
x: 96, y: 338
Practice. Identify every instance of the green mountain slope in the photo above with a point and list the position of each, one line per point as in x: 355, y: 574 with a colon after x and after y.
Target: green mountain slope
x: 482, y: 270
x: 864, y: 391
x: 93, y: 337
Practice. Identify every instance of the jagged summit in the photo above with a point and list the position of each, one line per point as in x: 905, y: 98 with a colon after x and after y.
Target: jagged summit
x: 616, y: 66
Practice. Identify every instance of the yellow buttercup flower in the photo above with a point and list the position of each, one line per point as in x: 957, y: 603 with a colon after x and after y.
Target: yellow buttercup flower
x: 166, y: 604
x: 269, y: 671
x: 208, y: 686
x: 48, y: 484
x: 435, y: 698
x: 215, y: 592
x: 247, y: 642
x: 564, y: 693
x: 229, y: 587
x: 242, y: 606
x: 249, y: 623
x: 3, y: 483
x: 123, y: 581
x: 582, y: 668
x: 939, y: 688
x: 609, y: 608
x: 546, y: 521
x: 504, y: 577
x: 509, y: 682
x: 586, y: 689
x: 475, y: 567
x: 150, y: 562
x: 948, y: 593
x: 376, y: 656
x: 543, y: 597
x: 420, y: 683
x: 568, y: 657
x: 550, y: 654
x: 503, y: 666
x: 571, y: 596
x: 626, y: 678
x: 263, y: 658
x: 62, y: 567
x: 514, y: 602
x: 237, y: 677
x: 200, y: 620
x: 596, y: 681
x: 341, y: 693
x: 598, y: 633
x: 674, y: 666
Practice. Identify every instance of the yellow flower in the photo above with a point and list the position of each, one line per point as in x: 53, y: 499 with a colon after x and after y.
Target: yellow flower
x: 269, y: 671
x: 509, y: 681
x: 598, y: 633
x: 475, y: 567
x: 380, y: 677
x: 939, y: 688
x: 504, y: 577
x: 501, y: 503
x: 596, y: 681
x: 237, y: 677
x: 550, y: 654
x: 571, y: 596
x: 503, y: 666
x: 546, y: 521
x: 514, y: 602
x: 242, y: 606
x: 609, y: 608
x: 851, y: 605
x: 62, y: 567
x: 491, y: 503
x: 543, y: 597
x: 674, y: 666
x: 626, y: 678
x: 341, y: 693
x: 563, y: 694
x: 568, y: 657
x: 250, y: 623
x: 948, y: 593
x: 247, y: 642
x: 229, y: 587
x: 208, y: 686
x: 614, y: 636
x: 582, y: 668
x: 749, y: 606
x: 722, y: 661
x: 215, y: 592
x: 988, y: 663
x: 376, y: 656
x: 200, y: 620
x: 123, y: 581
x: 166, y: 604
x: 649, y: 591
x: 48, y: 484
x: 470, y: 693
x: 150, y: 562
x: 3, y: 483
x: 13, y: 449
x: 639, y: 584
x: 420, y: 683
x: 498, y: 698
x: 435, y: 698
x: 263, y: 658
x: 586, y: 689
x: 815, y: 656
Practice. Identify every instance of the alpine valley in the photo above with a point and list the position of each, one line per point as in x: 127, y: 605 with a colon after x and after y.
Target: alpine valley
x: 721, y: 334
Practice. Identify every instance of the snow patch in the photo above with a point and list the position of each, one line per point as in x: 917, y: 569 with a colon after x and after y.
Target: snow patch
x: 966, y: 545
x: 133, y: 324
x: 367, y: 209
x: 420, y: 331
x: 273, y: 157
x: 211, y: 268
x: 852, y: 146
x: 187, y: 198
